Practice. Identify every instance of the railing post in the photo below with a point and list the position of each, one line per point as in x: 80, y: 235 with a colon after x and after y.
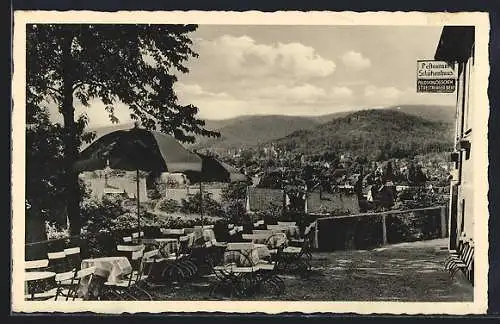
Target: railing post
x: 316, y: 229
x: 384, y: 229
x: 444, y: 230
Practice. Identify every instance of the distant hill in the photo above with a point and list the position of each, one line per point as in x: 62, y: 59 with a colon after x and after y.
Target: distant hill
x: 372, y: 132
x: 433, y: 113
x: 253, y: 130
x: 258, y: 129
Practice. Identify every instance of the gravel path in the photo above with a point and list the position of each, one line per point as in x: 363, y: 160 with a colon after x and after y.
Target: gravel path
x: 403, y: 272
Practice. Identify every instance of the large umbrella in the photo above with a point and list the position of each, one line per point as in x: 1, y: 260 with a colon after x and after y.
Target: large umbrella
x: 214, y: 170
x: 138, y: 149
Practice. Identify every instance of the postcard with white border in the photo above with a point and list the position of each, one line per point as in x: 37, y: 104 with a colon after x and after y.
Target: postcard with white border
x: 188, y: 161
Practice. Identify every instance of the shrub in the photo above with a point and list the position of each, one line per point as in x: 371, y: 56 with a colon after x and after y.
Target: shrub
x: 194, y: 205
x: 168, y: 205
x: 54, y: 233
x: 234, y: 191
x: 235, y: 212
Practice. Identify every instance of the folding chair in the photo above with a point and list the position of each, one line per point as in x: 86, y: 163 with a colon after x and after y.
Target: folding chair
x: 127, y: 250
x: 462, y: 259
x: 137, y: 236
x: 41, y: 286
x: 297, y: 258
x: 65, y: 272
x: 73, y: 257
x: 127, y: 240
x: 80, y: 275
x: 41, y: 289
x: 58, y: 262
x: 126, y: 288
x: 235, y: 271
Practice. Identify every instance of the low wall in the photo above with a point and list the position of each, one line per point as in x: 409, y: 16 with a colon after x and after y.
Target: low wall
x: 370, y: 230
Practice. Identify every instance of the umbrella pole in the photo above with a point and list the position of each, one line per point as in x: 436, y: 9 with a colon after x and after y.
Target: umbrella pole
x: 201, y: 205
x: 138, y: 204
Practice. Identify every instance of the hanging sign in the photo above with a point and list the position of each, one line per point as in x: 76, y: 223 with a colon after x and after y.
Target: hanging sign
x: 436, y: 77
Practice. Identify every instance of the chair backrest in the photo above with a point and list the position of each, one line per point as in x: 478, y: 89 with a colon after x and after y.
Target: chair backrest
x: 56, y: 255
x: 58, y: 262
x: 240, y: 246
x: 189, y: 230
x: 136, y: 235
x: 73, y: 257
x: 68, y: 275
x: 71, y: 251
x: 85, y: 272
x: 258, y: 223
x: 150, y: 254
x: 309, y: 228
x: 255, y: 237
x: 287, y: 223
x: 172, y: 231
x: 129, y: 248
x: 36, y: 264
x: 267, y: 232
x: 137, y: 255
x: 276, y: 227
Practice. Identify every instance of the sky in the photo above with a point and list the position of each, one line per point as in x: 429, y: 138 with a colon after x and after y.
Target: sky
x: 299, y: 70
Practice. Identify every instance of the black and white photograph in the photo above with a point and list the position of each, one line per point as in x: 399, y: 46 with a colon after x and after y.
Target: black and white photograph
x: 242, y: 162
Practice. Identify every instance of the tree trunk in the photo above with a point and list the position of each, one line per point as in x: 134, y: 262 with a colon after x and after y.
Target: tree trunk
x: 70, y: 136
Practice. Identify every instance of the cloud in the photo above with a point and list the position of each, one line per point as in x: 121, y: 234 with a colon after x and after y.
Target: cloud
x: 341, y: 92
x: 243, y: 56
x: 389, y: 93
x: 355, y: 60
x: 300, y: 93
x: 195, y: 90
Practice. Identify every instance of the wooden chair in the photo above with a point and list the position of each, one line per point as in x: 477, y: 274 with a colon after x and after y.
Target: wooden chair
x: 461, y: 259
x: 235, y: 272
x: 127, y: 239
x: 73, y: 257
x: 44, y: 289
x: 297, y: 258
x: 80, y: 275
x: 137, y: 236
x: 127, y: 288
x: 59, y: 264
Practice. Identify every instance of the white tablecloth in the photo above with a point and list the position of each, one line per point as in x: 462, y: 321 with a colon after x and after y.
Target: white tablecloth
x: 258, y: 252
x: 109, y: 268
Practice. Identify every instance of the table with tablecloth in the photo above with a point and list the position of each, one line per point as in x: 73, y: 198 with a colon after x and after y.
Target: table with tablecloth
x: 290, y: 230
x: 167, y: 246
x: 202, y: 235
x: 255, y: 254
x: 110, y: 269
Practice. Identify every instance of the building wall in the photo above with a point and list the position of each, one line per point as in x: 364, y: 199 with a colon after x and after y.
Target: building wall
x: 463, y: 173
x: 127, y: 183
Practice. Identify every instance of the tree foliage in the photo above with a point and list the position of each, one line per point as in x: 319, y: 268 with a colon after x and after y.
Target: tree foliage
x: 136, y: 65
